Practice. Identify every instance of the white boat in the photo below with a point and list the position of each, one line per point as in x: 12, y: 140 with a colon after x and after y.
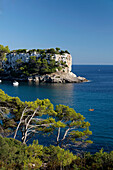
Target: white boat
x: 0, y: 81
x: 15, y: 83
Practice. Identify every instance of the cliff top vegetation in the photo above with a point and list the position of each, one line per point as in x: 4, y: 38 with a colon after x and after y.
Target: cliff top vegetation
x: 41, y: 51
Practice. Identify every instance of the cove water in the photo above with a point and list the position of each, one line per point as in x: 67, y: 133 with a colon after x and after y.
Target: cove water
x: 96, y: 94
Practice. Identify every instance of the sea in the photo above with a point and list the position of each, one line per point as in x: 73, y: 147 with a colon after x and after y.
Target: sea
x: 96, y: 94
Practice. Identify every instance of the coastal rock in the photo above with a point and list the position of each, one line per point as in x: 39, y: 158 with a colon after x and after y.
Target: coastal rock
x: 36, y: 79
x: 30, y: 78
x: 82, y: 79
x: 57, y: 77
x: 60, y: 77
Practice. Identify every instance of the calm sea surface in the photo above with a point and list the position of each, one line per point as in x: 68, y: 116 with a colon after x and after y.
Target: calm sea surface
x: 97, y: 94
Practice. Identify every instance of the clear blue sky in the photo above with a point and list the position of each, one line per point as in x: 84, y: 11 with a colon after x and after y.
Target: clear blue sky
x: 83, y: 27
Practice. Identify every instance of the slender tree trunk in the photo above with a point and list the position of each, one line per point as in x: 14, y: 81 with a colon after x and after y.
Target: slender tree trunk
x: 61, y: 166
x: 25, y: 137
x: 27, y: 125
x: 19, y: 123
x: 58, y: 136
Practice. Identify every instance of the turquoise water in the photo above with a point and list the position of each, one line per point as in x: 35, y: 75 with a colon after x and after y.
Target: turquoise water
x: 97, y: 94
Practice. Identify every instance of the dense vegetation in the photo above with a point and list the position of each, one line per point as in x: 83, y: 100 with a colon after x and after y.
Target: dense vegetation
x: 14, y: 155
x: 3, y: 50
x: 42, y: 51
x: 22, y: 120
x: 25, y: 119
x: 28, y: 118
x: 35, y: 65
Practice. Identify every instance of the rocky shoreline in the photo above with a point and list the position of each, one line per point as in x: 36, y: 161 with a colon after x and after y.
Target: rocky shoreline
x: 57, y: 77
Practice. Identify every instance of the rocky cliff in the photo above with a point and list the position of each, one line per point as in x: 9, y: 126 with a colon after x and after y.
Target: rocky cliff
x: 58, y: 77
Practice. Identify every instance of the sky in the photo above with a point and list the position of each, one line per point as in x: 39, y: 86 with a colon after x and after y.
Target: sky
x: 83, y: 27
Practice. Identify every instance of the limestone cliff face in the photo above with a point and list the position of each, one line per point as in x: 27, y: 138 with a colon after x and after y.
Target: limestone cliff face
x: 59, y: 62
x: 64, y: 60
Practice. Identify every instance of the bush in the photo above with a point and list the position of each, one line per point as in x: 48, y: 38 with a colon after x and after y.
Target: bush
x: 11, y: 153
x: 14, y: 155
x: 100, y: 160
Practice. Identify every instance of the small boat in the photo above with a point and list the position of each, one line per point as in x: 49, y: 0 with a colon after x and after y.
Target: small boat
x: 0, y: 81
x: 91, y: 110
x: 15, y: 83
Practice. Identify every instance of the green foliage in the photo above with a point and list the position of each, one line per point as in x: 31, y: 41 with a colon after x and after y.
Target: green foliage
x: 14, y: 106
x: 11, y: 153
x: 57, y: 157
x: 14, y: 155
x: 17, y: 156
x: 51, y: 50
x: 52, y: 63
x: 33, y: 59
x: 3, y: 51
x: 33, y: 152
x: 20, y: 51
x: 42, y: 51
x: 57, y: 49
x: 62, y: 52
x: 35, y: 65
x: 100, y: 160
x: 59, y: 68
x: 19, y: 61
x: 40, y: 116
x: 1, y: 70
x: 74, y: 128
x: 67, y: 51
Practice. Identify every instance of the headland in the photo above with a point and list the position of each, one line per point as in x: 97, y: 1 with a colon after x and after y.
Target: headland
x: 40, y: 65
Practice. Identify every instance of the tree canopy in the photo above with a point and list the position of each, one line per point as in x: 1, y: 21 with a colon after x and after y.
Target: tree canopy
x: 3, y: 50
x: 25, y: 119
x: 17, y: 156
x: 35, y: 66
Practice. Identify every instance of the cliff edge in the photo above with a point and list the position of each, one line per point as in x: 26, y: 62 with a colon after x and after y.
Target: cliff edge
x: 41, y: 65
